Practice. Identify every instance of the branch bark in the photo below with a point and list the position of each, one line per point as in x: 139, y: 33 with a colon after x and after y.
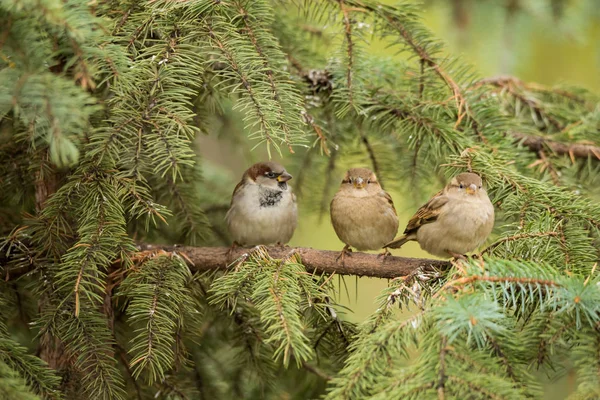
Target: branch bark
x: 321, y: 261
x: 201, y: 259
x: 574, y: 150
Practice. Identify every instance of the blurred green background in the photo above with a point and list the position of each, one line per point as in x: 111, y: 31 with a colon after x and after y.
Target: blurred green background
x: 550, y: 42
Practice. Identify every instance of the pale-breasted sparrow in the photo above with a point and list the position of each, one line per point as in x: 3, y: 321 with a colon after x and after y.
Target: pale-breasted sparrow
x: 362, y: 213
x: 263, y: 208
x: 455, y: 221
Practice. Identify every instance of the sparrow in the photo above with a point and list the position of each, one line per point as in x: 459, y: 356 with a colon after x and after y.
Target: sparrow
x: 263, y: 208
x: 453, y: 222
x: 362, y: 213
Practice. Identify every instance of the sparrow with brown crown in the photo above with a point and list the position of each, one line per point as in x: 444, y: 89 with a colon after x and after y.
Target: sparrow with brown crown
x: 453, y: 222
x: 263, y: 208
x: 362, y: 213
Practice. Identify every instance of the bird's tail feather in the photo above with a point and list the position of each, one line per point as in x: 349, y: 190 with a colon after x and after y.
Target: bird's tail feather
x: 397, y: 243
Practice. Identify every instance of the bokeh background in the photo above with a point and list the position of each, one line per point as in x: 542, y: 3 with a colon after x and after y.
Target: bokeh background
x: 551, y: 42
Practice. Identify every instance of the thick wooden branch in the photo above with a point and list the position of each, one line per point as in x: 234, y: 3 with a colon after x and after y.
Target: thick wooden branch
x: 320, y: 261
x: 573, y: 150
x: 202, y: 259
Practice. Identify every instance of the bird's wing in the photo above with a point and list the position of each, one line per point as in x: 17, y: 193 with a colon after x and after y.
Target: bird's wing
x: 427, y: 213
x: 386, y: 197
x: 241, y: 187
x: 236, y: 191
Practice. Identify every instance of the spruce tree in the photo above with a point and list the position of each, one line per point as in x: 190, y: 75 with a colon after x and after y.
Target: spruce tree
x: 117, y: 283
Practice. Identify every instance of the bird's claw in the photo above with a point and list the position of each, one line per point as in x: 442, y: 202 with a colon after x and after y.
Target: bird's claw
x: 457, y: 256
x: 234, y: 245
x: 346, y: 252
x: 386, y: 253
x: 458, y: 260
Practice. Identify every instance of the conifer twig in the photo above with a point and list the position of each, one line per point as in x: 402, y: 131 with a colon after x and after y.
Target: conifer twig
x: 503, y: 279
x: 503, y: 358
x: 511, y: 86
x: 309, y: 119
x: 373, y: 157
x: 517, y: 237
x: 317, y: 371
x: 328, y: 183
x: 242, y: 76
x: 506, y: 80
x: 349, y: 49
x: 442, y: 372
x: 573, y: 150
x: 268, y: 71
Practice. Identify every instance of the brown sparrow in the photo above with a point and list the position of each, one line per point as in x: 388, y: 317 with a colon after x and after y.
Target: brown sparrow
x: 362, y: 213
x: 263, y: 208
x: 454, y: 222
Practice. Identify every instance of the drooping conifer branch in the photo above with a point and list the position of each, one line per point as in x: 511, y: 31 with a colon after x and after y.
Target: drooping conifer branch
x: 268, y: 70
x: 504, y: 81
x: 533, y: 143
x: 501, y: 279
x: 442, y: 370
x: 235, y: 67
x: 515, y: 88
x: 318, y: 131
x: 517, y: 237
x: 373, y: 158
x: 349, y: 49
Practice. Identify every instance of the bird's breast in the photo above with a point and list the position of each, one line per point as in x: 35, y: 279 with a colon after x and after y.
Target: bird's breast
x: 259, y: 216
x: 469, y: 217
x: 269, y: 198
x: 366, y: 223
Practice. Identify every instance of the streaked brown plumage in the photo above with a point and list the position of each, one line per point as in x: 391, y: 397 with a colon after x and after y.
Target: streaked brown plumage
x: 455, y: 221
x: 362, y: 213
x: 263, y: 208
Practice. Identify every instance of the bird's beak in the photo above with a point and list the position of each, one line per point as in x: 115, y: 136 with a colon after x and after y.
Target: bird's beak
x: 284, y: 177
x: 359, y: 183
x: 471, y: 189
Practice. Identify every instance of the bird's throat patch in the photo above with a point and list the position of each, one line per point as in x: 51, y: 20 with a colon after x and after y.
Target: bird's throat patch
x: 270, y: 198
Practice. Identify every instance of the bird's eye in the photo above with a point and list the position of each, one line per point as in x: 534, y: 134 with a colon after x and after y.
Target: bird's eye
x: 270, y: 174
x: 479, y: 187
x: 460, y: 186
x: 368, y: 181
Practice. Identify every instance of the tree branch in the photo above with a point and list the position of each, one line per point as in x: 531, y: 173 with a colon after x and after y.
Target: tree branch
x: 373, y: 157
x: 318, y: 372
x: 534, y: 143
x: 573, y: 150
x: 201, y: 259
x: 322, y: 261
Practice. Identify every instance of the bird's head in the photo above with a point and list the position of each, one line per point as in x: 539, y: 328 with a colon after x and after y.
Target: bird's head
x: 269, y: 174
x: 467, y: 183
x: 360, y: 178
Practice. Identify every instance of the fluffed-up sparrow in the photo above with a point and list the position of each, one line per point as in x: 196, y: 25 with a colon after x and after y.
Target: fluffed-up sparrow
x: 263, y: 208
x: 453, y: 222
x: 362, y: 213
